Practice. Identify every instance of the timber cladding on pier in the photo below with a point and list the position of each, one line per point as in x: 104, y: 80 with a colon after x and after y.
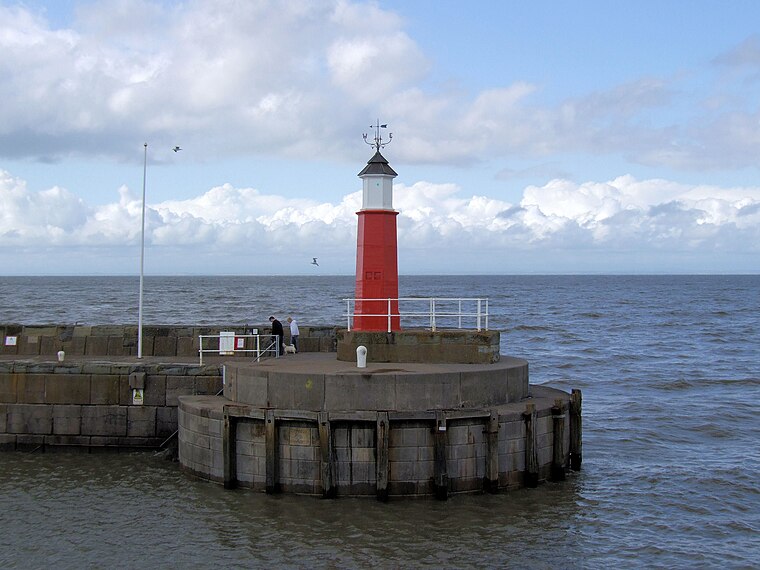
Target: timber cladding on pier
x: 91, y: 404
x: 382, y: 454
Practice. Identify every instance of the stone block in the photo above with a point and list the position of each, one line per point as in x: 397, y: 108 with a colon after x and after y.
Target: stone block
x: 29, y: 442
x: 67, y: 419
x: 107, y: 421
x: 29, y: 419
x: 31, y: 389
x: 308, y: 344
x: 102, y: 443
x: 165, y: 346
x: 428, y: 392
x: 7, y: 442
x: 8, y: 383
x: 155, y: 390
x: 125, y: 393
x: 293, y: 391
x: 187, y: 346
x: 211, y: 385
x: 178, y: 386
x: 166, y: 421
x: 49, y: 345
x: 116, y: 346
x: 137, y: 381
x: 67, y: 388
x: 28, y: 345
x: 3, y: 417
x: 361, y: 392
x: 104, y: 389
x: 141, y: 421
x: 252, y: 388
x: 96, y: 346
x: 484, y: 387
x: 75, y: 346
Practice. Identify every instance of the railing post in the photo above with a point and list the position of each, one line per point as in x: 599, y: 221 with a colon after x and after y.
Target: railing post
x: 348, y: 315
x: 460, y: 313
x: 478, y: 315
x: 486, y: 313
x: 200, y: 349
x: 432, y: 315
x: 389, y: 315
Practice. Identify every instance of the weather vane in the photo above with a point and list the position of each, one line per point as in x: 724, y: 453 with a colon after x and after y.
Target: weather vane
x: 377, y: 142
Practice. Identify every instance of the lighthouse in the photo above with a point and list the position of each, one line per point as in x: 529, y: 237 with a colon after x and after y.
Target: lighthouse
x: 376, y: 307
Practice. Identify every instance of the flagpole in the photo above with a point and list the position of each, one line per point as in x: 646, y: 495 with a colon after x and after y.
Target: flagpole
x: 142, y: 256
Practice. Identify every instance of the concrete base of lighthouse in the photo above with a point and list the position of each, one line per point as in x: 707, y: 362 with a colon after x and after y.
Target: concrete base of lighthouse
x: 454, y: 346
x: 311, y: 424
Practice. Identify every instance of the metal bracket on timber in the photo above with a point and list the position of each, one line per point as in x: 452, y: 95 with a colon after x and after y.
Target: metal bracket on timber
x: 440, y: 473
x: 228, y: 449
x: 382, y: 439
x: 329, y: 489
x: 576, y: 430
x: 531, y: 453
x: 491, y: 480
x: 270, y: 427
x: 558, y: 442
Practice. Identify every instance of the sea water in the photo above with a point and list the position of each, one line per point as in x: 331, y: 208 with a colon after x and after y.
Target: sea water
x: 669, y: 367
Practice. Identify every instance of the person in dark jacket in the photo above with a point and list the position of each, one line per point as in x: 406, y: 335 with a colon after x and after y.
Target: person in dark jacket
x: 277, y: 330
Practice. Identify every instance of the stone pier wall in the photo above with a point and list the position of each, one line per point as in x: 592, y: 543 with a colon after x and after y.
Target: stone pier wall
x: 89, y: 405
x: 121, y: 340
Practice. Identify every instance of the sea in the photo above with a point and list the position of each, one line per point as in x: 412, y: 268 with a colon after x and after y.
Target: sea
x: 669, y: 368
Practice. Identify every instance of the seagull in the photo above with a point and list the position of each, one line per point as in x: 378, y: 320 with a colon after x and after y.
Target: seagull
x: 314, y: 261
x: 176, y: 148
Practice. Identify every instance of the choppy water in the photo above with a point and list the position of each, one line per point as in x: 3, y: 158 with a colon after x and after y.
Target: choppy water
x: 670, y: 372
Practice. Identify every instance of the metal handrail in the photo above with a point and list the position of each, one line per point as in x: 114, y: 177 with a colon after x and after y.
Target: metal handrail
x: 437, y: 310
x: 263, y: 346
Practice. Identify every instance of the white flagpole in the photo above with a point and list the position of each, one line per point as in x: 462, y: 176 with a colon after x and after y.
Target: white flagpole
x: 142, y: 256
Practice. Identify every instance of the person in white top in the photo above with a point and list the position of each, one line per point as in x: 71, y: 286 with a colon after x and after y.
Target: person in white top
x: 293, y: 332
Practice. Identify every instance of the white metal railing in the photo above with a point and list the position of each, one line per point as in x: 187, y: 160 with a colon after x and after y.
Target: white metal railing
x: 438, y: 312
x: 230, y: 343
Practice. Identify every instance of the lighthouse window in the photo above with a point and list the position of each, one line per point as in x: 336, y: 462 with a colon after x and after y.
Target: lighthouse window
x: 377, y: 275
x: 368, y: 275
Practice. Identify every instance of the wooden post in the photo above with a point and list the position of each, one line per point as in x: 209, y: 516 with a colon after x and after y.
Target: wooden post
x: 531, y: 453
x: 576, y: 430
x: 491, y: 482
x: 272, y: 482
x: 558, y: 442
x: 329, y: 488
x: 381, y: 466
x: 440, y: 473
x: 228, y: 450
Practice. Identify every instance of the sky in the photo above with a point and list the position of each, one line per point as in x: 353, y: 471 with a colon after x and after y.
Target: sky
x: 528, y: 137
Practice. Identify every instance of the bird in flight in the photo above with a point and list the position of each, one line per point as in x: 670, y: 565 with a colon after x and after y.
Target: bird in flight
x: 314, y: 261
x: 176, y: 148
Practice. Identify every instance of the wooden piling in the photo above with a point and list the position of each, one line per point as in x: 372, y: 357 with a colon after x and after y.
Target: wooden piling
x: 576, y: 430
x: 381, y: 460
x: 491, y: 480
x: 558, y: 442
x: 327, y: 468
x: 531, y: 451
x: 440, y: 472
x: 228, y: 450
x: 270, y: 425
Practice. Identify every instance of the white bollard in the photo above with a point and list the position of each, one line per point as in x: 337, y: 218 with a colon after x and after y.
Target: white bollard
x: 61, y: 355
x: 361, y: 357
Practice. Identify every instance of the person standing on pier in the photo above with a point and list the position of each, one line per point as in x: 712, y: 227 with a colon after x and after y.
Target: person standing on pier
x: 293, y: 332
x: 279, y: 333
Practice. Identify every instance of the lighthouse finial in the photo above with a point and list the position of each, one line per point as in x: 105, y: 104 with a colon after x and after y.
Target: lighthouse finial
x: 377, y: 143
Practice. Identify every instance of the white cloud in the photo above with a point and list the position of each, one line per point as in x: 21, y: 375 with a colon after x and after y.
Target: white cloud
x: 289, y: 78
x: 437, y: 223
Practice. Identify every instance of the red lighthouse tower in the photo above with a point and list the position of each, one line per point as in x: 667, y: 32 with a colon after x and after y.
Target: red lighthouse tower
x: 376, y: 306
